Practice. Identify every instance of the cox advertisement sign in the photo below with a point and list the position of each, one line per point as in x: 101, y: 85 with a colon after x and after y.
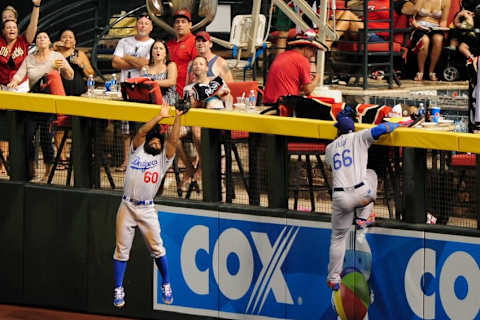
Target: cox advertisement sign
x: 239, y: 266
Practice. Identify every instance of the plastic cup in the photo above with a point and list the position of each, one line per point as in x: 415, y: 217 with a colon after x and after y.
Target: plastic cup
x: 57, y: 63
x: 435, y: 114
x: 229, y: 104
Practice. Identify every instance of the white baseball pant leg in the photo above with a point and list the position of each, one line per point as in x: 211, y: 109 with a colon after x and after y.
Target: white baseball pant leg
x: 371, y: 182
x: 124, y: 232
x: 344, y: 204
x: 150, y: 228
x: 129, y: 217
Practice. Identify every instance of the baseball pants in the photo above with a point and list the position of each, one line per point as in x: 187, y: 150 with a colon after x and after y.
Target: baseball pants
x: 145, y: 218
x: 344, y: 205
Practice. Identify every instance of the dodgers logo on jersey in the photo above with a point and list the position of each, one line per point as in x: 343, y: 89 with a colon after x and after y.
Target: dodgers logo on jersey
x: 138, y: 164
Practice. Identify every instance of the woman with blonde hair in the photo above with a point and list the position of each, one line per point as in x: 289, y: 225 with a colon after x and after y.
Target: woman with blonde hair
x: 9, y: 13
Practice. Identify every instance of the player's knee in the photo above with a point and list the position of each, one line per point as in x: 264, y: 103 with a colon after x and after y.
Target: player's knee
x: 158, y: 251
x: 121, y: 255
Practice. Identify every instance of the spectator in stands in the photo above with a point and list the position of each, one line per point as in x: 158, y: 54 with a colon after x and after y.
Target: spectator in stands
x: 35, y: 66
x: 200, y: 70
x: 130, y: 56
x: 14, y: 48
x: 217, y: 66
x: 78, y: 61
x: 182, y: 47
x: 41, y: 62
x: 468, y: 38
x: 81, y: 68
x: 290, y: 71
x: 163, y: 70
x: 9, y: 13
x: 197, y: 91
x: 429, y: 21
x: 378, y: 16
x: 283, y: 26
x: 132, y: 53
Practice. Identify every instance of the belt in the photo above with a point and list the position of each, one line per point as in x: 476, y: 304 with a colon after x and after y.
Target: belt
x: 349, y: 188
x: 138, y: 202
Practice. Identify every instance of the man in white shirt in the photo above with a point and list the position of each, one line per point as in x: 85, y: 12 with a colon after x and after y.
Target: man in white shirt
x: 132, y: 53
x: 130, y: 56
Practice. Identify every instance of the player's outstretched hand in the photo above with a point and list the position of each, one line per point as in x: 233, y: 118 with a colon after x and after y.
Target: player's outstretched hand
x: 165, y: 111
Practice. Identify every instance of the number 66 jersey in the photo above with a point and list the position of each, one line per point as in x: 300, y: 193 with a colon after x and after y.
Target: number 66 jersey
x: 145, y: 173
x: 347, y: 156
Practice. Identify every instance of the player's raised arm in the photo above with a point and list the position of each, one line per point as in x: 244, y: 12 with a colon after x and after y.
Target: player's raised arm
x: 383, y: 128
x: 173, y: 136
x: 142, y: 132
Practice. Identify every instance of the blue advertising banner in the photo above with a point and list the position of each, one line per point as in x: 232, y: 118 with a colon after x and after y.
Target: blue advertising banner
x: 240, y: 266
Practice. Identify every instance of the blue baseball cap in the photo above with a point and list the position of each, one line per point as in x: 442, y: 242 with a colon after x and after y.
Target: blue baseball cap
x: 345, y: 125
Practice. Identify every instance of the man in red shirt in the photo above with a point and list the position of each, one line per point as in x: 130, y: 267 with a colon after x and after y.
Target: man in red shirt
x: 290, y: 71
x: 182, y: 48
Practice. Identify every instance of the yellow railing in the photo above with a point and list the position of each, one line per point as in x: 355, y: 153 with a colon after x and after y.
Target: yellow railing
x: 119, y: 110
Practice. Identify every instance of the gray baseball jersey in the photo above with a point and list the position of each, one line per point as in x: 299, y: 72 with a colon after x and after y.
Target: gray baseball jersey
x: 144, y: 173
x: 347, y: 156
x: 142, y: 180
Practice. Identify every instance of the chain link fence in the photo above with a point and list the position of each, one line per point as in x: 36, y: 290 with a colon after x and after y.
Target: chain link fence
x: 450, y: 182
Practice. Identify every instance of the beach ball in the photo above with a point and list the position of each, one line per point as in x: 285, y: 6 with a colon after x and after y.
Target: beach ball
x: 352, y: 300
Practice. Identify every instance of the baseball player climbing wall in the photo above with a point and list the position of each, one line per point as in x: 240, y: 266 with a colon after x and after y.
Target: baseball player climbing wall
x: 248, y: 266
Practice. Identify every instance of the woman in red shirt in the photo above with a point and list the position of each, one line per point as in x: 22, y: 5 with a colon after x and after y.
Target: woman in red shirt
x: 14, y: 48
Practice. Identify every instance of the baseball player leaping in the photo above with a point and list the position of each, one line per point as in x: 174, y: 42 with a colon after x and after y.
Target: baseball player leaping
x: 354, y: 187
x: 150, y: 157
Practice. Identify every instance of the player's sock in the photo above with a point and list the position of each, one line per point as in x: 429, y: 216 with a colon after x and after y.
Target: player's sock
x: 119, y: 272
x: 162, y: 265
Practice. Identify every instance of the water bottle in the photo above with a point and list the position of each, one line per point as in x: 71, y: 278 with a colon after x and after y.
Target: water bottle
x: 91, y: 85
x: 252, y: 101
x: 114, y: 86
x: 421, y: 109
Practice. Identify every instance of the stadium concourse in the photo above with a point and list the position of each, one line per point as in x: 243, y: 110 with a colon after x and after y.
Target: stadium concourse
x: 9, y: 312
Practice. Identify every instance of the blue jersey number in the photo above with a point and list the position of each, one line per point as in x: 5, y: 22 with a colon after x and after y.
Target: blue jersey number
x: 342, y: 160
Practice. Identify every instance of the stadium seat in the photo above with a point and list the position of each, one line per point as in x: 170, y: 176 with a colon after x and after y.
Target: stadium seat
x: 463, y: 162
x: 378, y: 55
x: 301, y: 107
x: 51, y: 83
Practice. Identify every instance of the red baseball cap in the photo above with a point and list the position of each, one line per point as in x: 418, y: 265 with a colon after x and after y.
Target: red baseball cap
x: 184, y: 13
x: 204, y: 35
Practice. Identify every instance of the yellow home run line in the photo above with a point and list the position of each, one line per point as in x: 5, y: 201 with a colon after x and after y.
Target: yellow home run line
x: 120, y: 110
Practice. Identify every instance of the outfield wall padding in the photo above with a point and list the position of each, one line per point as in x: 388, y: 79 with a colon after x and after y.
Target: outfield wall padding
x: 57, y: 247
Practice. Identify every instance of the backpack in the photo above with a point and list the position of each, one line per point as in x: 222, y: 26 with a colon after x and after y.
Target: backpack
x: 141, y: 90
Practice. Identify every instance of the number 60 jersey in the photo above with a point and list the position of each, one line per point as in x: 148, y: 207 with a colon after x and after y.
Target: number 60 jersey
x: 145, y: 173
x: 347, y: 156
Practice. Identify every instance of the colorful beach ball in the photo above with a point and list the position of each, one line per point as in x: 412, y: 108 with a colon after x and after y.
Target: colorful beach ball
x: 353, y: 299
